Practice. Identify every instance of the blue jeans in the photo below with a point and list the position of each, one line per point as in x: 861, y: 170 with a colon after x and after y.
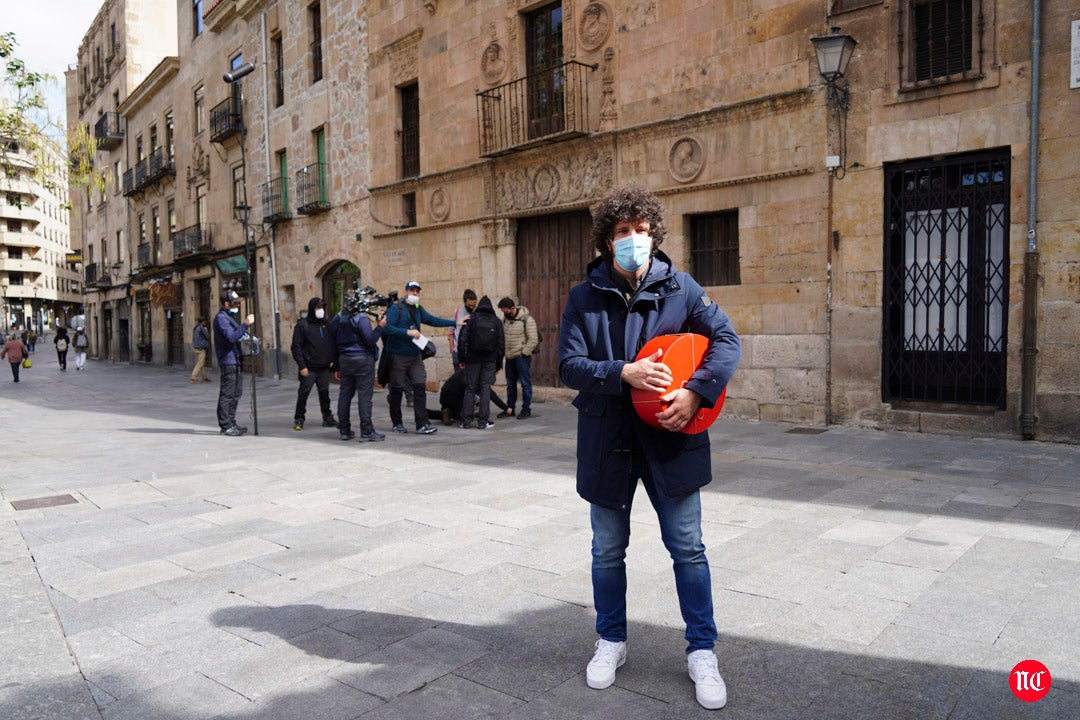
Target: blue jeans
x: 680, y: 529
x: 520, y: 368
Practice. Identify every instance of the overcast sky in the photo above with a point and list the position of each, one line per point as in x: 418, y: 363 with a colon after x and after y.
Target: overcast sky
x: 48, y: 33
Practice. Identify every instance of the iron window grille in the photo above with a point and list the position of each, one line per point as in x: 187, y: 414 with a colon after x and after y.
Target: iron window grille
x: 311, y: 192
x: 276, y: 200
x: 316, y: 43
x: 714, y: 248
x: 944, y: 41
x: 410, y: 130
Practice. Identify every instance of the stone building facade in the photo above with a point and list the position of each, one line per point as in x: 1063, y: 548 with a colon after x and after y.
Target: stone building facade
x: 123, y: 44
x: 38, y: 280
x: 869, y: 239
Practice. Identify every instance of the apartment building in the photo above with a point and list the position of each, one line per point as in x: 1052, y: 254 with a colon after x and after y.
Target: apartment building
x: 39, y: 285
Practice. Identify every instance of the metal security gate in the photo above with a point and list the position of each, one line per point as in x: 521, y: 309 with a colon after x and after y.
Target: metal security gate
x: 945, y: 315
x: 552, y: 252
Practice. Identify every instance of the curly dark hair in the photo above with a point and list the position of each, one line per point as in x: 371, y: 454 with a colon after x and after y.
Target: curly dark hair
x: 633, y: 202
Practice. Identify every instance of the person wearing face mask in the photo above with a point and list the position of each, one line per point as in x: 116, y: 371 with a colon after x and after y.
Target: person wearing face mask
x: 631, y: 294
x: 313, y: 353
x: 403, y: 321
x: 227, y: 334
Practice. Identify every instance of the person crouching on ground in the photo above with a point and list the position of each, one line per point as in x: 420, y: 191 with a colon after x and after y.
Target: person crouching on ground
x: 633, y: 293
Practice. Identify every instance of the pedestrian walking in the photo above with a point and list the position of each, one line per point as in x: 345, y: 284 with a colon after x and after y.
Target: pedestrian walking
x: 62, y: 343
x: 312, y: 349
x: 522, y: 339
x: 403, y: 321
x: 81, y: 343
x: 200, y: 343
x: 632, y: 293
x: 227, y: 335
x: 31, y: 339
x: 15, y: 351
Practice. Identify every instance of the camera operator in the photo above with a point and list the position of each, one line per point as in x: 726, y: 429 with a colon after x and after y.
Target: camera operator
x: 355, y: 345
x: 227, y: 335
x: 403, y: 320
x: 312, y: 351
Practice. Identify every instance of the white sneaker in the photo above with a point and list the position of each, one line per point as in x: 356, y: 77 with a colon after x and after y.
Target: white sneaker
x: 710, y: 689
x: 608, y: 658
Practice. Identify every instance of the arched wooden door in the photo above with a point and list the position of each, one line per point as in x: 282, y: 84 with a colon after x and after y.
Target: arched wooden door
x: 552, y: 252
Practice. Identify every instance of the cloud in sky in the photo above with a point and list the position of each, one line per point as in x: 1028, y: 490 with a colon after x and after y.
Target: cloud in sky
x: 48, y: 33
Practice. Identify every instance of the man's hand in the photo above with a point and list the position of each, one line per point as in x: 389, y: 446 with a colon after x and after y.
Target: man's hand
x: 382, y: 321
x: 684, y: 406
x: 250, y: 319
x: 648, y: 373
x: 413, y: 333
x: 304, y: 372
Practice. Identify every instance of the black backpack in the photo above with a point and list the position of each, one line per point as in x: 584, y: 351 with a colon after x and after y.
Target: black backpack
x: 483, y: 334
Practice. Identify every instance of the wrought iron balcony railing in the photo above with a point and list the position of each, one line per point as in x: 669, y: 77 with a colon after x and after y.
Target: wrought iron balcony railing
x: 108, y: 131
x: 276, y: 200
x: 142, y: 172
x: 160, y: 165
x: 226, y: 120
x: 97, y: 275
x: 129, y: 182
x: 145, y: 255
x: 545, y: 107
x: 192, y: 240
x: 312, y: 197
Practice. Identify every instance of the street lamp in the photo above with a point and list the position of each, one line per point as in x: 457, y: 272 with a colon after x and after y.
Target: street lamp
x: 242, y: 212
x: 833, y: 53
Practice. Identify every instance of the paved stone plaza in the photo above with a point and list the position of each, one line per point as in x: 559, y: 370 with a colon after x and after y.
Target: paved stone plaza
x: 857, y: 573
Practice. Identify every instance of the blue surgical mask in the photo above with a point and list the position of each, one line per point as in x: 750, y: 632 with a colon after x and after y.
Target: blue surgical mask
x: 632, y: 252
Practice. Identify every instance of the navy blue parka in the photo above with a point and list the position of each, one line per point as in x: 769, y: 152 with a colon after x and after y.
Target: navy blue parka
x: 601, y: 331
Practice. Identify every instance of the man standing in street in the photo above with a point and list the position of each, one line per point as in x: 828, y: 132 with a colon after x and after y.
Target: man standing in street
x: 81, y: 343
x: 461, y: 316
x: 355, y: 350
x: 481, y: 351
x: 403, y: 321
x: 522, y: 339
x: 631, y: 294
x: 227, y: 335
x: 200, y: 342
x: 312, y: 349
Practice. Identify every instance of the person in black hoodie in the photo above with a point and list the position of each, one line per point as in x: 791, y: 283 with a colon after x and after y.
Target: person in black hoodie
x: 312, y: 349
x: 480, y: 348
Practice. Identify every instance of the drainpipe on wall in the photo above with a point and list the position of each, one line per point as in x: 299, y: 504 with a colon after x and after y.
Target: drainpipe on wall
x: 1029, y: 347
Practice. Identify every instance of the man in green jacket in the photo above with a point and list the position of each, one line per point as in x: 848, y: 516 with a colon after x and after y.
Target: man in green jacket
x: 522, y: 340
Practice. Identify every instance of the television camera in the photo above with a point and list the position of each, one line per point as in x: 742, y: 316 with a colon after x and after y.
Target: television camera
x: 367, y: 300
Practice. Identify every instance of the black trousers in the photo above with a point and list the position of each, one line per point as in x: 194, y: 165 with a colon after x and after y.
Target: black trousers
x: 15, y: 370
x: 407, y: 371
x: 61, y: 356
x: 232, y: 385
x: 479, y: 376
x: 319, y: 377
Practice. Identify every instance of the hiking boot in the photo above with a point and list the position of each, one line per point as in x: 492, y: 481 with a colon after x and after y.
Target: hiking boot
x: 508, y: 412
x: 372, y: 437
x: 298, y: 425
x: 400, y: 428
x: 427, y: 429
x: 329, y: 422
x: 525, y: 413
x: 347, y: 434
x: 709, y: 686
x: 609, y: 657
x: 486, y: 425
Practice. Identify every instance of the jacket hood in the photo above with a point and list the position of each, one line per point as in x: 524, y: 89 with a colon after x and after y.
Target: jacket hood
x: 485, y: 306
x: 313, y: 303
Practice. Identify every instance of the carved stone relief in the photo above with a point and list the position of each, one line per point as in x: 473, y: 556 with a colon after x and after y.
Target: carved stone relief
x: 563, y: 180
x: 595, y: 26
x: 686, y: 159
x: 493, y: 63
x: 439, y: 205
x: 609, y: 113
x: 199, y: 167
x: 431, y: 6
